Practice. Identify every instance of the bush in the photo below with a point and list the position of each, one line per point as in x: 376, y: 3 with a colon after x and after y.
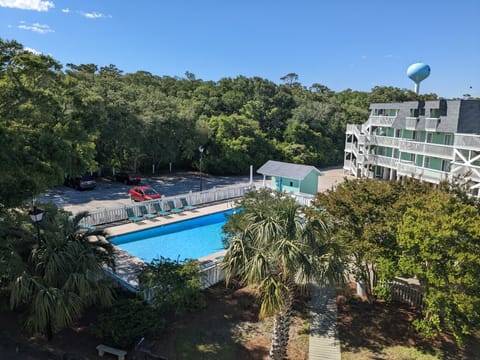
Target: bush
x: 173, y: 285
x: 127, y: 321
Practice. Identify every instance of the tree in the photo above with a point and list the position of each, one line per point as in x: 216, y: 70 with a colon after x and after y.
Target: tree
x: 61, y: 276
x: 440, y: 239
x: 365, y: 213
x: 272, y: 248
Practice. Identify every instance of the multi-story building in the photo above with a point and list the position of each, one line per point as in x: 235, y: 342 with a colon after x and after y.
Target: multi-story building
x: 433, y: 141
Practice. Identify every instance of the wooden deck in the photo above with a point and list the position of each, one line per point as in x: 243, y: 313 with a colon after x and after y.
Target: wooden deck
x: 324, y: 343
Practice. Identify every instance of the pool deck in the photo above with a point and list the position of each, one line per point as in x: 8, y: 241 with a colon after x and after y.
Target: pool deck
x: 128, y: 265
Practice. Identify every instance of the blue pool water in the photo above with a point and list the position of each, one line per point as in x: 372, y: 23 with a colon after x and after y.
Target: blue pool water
x: 189, y: 239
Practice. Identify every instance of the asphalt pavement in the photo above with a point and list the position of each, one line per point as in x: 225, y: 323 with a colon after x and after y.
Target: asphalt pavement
x: 111, y: 194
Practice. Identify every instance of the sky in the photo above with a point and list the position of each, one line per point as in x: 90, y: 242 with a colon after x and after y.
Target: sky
x: 342, y: 44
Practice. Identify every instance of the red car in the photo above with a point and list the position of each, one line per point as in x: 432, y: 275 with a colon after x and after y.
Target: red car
x: 142, y: 193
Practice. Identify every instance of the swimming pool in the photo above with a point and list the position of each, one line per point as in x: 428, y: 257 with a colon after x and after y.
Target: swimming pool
x: 188, y: 239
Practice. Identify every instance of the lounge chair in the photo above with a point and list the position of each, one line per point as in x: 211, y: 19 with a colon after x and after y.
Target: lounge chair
x: 131, y: 215
x: 185, y: 204
x: 173, y: 208
x: 159, y: 210
x: 145, y: 212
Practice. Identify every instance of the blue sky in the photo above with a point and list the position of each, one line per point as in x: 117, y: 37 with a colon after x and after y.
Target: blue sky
x: 342, y: 44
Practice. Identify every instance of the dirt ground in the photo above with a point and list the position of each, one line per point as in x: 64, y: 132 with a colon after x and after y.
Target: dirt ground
x: 229, y: 329
x: 381, y: 325
x: 230, y: 321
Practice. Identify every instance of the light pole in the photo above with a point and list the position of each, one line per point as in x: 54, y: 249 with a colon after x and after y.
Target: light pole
x: 201, y: 149
x: 36, y: 215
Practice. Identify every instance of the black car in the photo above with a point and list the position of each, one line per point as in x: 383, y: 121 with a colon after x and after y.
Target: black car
x: 85, y: 182
x: 128, y: 178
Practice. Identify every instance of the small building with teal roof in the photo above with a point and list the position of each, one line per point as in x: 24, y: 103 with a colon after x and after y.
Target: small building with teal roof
x: 291, y: 178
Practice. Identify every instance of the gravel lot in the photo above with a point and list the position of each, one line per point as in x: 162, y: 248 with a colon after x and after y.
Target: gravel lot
x: 111, y: 194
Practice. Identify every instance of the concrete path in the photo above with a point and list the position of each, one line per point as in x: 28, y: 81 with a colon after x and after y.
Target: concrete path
x: 324, y: 343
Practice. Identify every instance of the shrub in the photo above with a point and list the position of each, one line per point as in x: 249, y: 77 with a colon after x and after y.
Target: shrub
x: 127, y: 321
x: 173, y: 285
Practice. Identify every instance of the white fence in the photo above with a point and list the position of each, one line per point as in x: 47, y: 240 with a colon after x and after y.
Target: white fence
x: 107, y: 216
x: 405, y: 293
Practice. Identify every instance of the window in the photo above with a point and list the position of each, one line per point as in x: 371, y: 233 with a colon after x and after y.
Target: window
x: 429, y: 137
x: 414, y: 112
x: 397, y: 133
x: 445, y: 165
x: 434, y: 113
x: 448, y: 139
x: 427, y: 162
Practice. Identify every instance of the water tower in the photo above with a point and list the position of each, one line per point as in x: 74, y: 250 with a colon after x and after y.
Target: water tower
x: 418, y: 72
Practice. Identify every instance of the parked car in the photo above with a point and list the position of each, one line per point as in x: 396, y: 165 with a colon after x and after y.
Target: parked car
x: 128, y: 178
x: 142, y: 193
x: 85, y: 182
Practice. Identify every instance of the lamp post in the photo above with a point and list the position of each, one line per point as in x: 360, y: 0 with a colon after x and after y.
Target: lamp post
x: 201, y: 149
x: 36, y: 215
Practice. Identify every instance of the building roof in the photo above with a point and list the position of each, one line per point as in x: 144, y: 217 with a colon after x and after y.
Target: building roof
x: 286, y: 170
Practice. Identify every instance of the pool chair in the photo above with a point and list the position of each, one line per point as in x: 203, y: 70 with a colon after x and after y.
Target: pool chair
x: 172, y: 207
x: 159, y: 210
x: 185, y: 204
x: 145, y: 213
x: 131, y: 215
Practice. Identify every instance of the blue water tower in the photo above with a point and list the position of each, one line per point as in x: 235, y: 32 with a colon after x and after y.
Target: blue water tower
x: 418, y: 72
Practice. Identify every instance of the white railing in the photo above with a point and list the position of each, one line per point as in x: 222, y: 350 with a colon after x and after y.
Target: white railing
x: 442, y: 151
x: 467, y: 141
x: 383, y: 161
x: 212, y: 273
x: 384, y: 141
x: 411, y: 123
x: 107, y: 216
x: 431, y: 124
x: 380, y: 120
x: 430, y: 175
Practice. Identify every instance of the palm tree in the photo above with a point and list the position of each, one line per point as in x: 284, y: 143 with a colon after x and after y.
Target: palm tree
x: 63, y: 275
x: 271, y: 246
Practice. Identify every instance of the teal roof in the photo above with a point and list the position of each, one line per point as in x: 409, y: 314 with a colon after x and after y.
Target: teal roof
x: 286, y: 170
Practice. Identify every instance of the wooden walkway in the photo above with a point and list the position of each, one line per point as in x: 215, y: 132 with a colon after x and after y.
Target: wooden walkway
x: 324, y: 343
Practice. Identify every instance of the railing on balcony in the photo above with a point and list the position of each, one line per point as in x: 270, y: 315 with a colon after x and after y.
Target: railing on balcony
x: 431, y: 124
x: 411, y: 123
x: 467, y: 141
x: 429, y: 175
x: 383, y: 141
x: 348, y: 147
x: 380, y: 120
x: 383, y: 161
x: 442, y: 151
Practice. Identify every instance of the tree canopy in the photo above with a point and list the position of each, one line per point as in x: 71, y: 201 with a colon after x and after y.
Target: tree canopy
x: 81, y: 118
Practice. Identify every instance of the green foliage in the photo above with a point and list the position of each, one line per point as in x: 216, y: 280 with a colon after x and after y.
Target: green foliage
x: 128, y: 320
x: 440, y: 239
x: 87, y: 117
x: 173, y: 285
x: 53, y: 282
x: 272, y: 248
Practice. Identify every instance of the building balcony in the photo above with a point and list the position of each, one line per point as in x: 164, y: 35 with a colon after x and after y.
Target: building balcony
x: 424, y: 174
x: 431, y: 124
x: 380, y: 120
x: 384, y: 141
x: 467, y: 141
x: 428, y: 149
x: 411, y: 123
x: 380, y: 160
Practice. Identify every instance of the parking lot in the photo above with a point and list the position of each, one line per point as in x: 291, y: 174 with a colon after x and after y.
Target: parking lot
x: 111, y: 194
